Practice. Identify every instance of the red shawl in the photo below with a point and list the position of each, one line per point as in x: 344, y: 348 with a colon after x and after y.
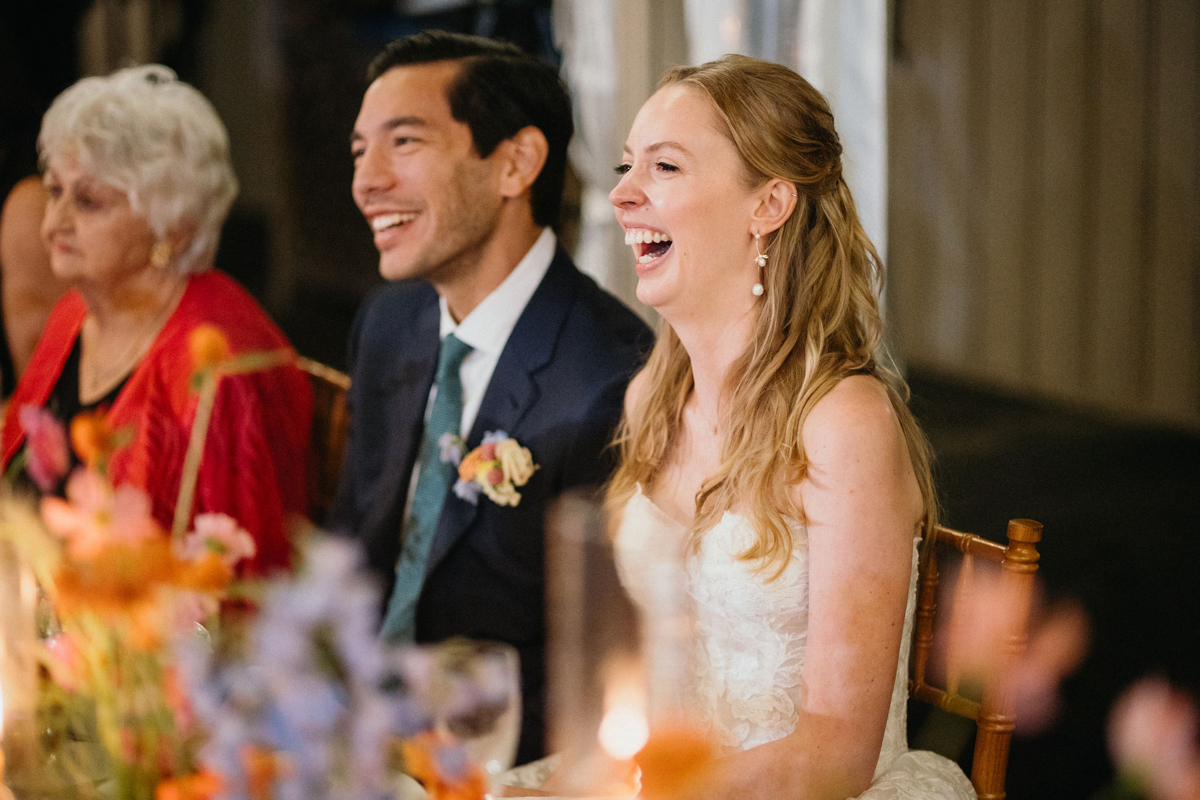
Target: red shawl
x: 254, y: 457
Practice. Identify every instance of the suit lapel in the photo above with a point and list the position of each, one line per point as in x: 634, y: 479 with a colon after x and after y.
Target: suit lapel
x: 407, y: 387
x: 512, y: 390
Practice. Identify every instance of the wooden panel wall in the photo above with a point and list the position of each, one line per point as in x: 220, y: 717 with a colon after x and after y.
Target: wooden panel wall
x: 1044, y: 198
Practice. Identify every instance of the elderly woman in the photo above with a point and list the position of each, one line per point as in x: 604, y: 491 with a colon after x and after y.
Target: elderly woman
x: 138, y: 179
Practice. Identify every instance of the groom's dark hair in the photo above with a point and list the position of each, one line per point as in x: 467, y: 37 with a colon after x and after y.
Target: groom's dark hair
x: 499, y: 90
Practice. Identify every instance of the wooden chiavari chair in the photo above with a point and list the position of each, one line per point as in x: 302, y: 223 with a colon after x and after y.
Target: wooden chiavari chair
x: 327, y: 444
x: 993, y: 713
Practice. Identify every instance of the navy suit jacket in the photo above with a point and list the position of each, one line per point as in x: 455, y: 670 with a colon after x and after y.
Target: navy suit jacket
x: 558, y: 389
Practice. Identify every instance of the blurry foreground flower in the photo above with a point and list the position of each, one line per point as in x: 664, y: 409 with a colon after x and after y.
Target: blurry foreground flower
x: 674, y: 763
x: 208, y: 347
x: 92, y: 437
x: 1152, y: 738
x: 203, y: 786
x: 301, y: 707
x: 46, y: 445
x: 221, y: 535
x: 986, y: 616
x: 442, y: 767
x: 95, y: 515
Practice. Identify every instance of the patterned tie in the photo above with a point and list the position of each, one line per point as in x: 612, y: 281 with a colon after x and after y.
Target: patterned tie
x: 433, y: 484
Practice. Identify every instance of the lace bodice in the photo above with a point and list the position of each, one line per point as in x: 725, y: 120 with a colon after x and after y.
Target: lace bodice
x: 746, y: 652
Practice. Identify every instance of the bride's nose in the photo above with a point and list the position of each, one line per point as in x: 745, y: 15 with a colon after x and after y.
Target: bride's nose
x: 627, y: 193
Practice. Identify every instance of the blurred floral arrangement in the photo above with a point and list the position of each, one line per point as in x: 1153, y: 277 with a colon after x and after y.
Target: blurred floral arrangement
x: 196, y: 684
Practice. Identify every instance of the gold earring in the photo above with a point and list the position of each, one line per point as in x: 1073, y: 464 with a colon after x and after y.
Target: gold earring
x: 757, y: 289
x: 160, y: 254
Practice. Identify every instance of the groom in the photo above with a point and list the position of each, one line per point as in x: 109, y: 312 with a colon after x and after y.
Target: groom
x: 460, y: 150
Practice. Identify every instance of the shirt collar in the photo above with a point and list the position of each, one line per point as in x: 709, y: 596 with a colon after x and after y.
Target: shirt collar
x: 487, y: 327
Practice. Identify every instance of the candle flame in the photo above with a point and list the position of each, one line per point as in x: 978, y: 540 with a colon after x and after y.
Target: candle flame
x: 623, y: 731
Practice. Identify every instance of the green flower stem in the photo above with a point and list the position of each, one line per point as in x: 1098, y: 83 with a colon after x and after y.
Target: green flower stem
x: 209, y: 381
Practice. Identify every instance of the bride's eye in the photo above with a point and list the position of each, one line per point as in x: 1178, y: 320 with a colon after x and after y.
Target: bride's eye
x: 621, y: 169
x: 665, y: 167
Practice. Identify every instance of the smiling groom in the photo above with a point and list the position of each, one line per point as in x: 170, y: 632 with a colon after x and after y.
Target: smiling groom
x: 485, y: 326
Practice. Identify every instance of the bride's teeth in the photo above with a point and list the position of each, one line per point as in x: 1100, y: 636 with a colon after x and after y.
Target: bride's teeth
x: 642, y: 236
x: 646, y: 258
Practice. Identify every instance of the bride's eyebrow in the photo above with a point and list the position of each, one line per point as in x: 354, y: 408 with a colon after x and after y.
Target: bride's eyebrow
x: 661, y: 146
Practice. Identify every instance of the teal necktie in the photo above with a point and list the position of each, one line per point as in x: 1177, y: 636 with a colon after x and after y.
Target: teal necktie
x: 433, y: 484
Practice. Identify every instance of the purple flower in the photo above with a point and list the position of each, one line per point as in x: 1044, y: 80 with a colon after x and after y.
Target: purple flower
x: 46, y: 439
x: 451, y: 447
x: 467, y: 491
x: 494, y: 437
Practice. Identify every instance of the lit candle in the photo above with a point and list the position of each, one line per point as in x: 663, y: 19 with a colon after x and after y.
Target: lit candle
x: 624, y: 728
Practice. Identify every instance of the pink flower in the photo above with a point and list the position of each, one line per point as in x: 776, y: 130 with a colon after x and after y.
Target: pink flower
x: 46, y: 444
x: 194, y: 608
x: 220, y: 534
x: 94, y: 515
x: 1152, y: 737
x: 65, y: 661
x: 986, y: 612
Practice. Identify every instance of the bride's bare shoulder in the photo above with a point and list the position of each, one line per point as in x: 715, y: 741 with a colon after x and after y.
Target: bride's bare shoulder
x: 855, y: 417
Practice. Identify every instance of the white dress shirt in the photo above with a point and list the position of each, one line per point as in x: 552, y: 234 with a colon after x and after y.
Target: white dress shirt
x: 486, y: 329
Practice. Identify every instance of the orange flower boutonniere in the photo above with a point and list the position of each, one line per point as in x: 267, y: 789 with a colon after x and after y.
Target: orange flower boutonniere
x: 496, y: 468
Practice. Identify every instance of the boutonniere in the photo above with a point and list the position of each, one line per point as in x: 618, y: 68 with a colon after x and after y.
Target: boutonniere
x: 497, y: 467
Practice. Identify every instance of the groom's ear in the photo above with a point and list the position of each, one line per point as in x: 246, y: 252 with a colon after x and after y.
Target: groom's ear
x: 522, y: 157
x: 777, y: 200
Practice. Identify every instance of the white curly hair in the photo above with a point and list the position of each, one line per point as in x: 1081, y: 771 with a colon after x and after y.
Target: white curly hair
x: 158, y: 140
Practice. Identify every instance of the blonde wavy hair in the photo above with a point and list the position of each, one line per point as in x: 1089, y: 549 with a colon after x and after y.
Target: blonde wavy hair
x: 818, y: 320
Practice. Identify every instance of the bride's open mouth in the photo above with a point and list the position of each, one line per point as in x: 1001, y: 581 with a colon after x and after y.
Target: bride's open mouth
x: 647, y: 245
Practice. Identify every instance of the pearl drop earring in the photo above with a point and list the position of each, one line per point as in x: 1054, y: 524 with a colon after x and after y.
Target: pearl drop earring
x: 757, y: 289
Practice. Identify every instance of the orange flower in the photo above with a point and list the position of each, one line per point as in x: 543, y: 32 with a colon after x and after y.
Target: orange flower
x: 90, y: 435
x: 209, y: 573
x: 263, y: 767
x: 421, y: 762
x: 201, y: 786
x: 122, y: 585
x: 673, y: 761
x: 470, y: 464
x: 208, y: 346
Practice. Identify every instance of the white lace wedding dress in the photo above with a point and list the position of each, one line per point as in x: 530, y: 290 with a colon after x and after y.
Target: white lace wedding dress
x: 746, y: 656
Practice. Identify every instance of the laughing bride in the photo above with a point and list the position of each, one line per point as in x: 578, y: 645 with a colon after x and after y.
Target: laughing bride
x: 765, y: 441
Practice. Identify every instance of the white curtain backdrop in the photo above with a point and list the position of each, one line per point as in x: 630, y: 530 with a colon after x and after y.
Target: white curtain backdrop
x: 587, y: 34
x: 841, y: 48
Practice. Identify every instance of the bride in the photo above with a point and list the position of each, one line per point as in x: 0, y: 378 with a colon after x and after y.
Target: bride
x: 767, y: 443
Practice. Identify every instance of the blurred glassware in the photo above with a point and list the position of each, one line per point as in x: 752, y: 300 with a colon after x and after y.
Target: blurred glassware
x: 18, y: 657
x: 618, y: 629
x: 470, y: 693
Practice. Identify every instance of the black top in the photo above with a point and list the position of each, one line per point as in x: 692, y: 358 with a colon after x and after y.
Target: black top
x: 64, y: 401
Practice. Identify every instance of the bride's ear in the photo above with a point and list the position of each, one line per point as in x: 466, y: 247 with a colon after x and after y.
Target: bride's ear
x: 777, y: 200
